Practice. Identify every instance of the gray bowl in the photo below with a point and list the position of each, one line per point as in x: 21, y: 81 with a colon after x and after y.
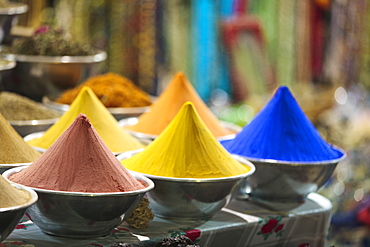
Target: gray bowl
x: 130, y: 121
x: 26, y: 127
x: 281, y: 182
x: 4, y: 167
x: 36, y: 76
x: 191, y: 198
x: 83, y: 215
x: 10, y: 216
x: 8, y: 17
x: 118, y: 112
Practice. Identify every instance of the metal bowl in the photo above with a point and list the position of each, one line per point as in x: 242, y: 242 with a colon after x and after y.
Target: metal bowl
x: 283, y: 182
x: 4, y: 167
x: 37, y: 135
x: 10, y: 216
x: 26, y: 127
x: 83, y: 215
x: 134, y: 120
x: 36, y: 76
x: 117, y: 112
x: 8, y: 17
x: 191, y: 198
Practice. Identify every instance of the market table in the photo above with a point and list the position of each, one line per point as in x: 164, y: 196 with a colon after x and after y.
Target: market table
x: 241, y: 223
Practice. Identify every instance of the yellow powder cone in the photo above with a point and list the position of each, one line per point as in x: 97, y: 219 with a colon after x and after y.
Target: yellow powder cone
x: 186, y: 149
x: 168, y: 104
x: 116, y: 138
x: 13, y: 149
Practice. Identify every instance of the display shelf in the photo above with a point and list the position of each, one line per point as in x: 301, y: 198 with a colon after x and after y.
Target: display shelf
x: 241, y: 223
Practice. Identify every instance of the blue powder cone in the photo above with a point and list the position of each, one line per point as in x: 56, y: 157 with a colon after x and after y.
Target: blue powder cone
x: 281, y: 131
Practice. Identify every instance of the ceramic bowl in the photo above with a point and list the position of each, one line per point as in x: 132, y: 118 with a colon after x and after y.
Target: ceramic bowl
x: 83, y: 215
x: 10, y: 216
x: 191, y: 198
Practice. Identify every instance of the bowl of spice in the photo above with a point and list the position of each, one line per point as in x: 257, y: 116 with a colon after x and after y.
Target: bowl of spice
x: 194, y: 175
x: 26, y: 115
x: 49, y: 62
x: 14, y: 151
x: 9, y: 12
x: 83, y: 189
x: 15, y: 199
x: 292, y: 159
x: 118, y: 94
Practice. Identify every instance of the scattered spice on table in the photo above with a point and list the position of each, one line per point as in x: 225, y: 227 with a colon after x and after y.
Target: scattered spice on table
x: 115, y: 137
x: 17, y: 107
x: 10, y: 196
x: 185, y: 149
x: 168, y: 104
x: 13, y: 149
x: 112, y: 89
x: 79, y: 161
x: 281, y: 131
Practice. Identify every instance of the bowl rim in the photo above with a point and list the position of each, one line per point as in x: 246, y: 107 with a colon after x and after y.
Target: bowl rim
x: 12, y: 165
x: 8, y: 65
x: 113, y: 110
x: 138, y: 176
x: 240, y: 159
x: 134, y: 120
x: 33, y: 122
x: 14, y: 9
x: 99, y: 56
x: 31, y: 201
x: 300, y: 163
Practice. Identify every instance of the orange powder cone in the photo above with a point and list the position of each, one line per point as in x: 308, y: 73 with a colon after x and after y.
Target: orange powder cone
x: 115, y: 137
x: 185, y: 149
x: 165, y: 108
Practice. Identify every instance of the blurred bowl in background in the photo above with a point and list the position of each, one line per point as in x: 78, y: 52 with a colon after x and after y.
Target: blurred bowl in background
x: 130, y: 121
x: 4, y: 167
x: 284, y: 182
x: 10, y: 216
x: 117, y: 112
x: 36, y: 76
x: 8, y: 17
x: 83, y: 215
x: 191, y: 198
x: 26, y: 127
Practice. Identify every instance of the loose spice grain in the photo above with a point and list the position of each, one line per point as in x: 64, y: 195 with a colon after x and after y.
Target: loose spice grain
x: 16, y: 107
x: 112, y: 89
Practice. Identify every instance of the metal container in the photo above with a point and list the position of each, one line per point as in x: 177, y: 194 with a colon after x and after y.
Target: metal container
x: 130, y: 121
x: 8, y: 17
x: 4, y: 167
x: 10, y: 216
x: 36, y: 76
x: 83, y: 215
x: 118, y: 112
x: 26, y: 127
x: 191, y: 198
x: 286, y: 182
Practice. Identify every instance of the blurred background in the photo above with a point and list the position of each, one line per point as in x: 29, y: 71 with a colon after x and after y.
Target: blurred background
x: 236, y: 53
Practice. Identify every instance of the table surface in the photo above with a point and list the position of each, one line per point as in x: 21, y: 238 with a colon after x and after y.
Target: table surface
x: 241, y: 223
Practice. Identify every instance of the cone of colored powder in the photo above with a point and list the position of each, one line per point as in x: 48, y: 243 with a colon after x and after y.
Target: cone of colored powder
x: 116, y: 138
x: 185, y: 149
x: 281, y: 131
x: 168, y: 104
x: 13, y: 149
x: 78, y: 161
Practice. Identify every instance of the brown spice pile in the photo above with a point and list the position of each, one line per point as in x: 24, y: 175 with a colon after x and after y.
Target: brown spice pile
x: 112, y: 89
